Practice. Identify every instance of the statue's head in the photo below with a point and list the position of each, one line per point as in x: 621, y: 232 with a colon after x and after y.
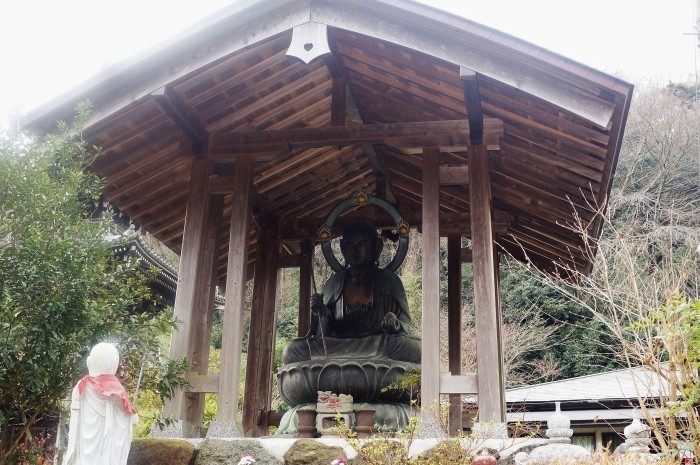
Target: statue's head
x: 103, y: 359
x: 360, y: 244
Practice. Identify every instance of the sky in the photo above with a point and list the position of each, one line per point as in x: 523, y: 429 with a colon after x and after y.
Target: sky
x: 51, y: 46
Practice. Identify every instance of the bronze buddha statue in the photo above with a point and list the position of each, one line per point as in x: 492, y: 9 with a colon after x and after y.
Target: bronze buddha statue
x: 363, y: 311
x: 358, y: 342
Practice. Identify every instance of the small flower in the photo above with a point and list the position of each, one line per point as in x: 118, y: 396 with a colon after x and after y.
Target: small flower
x: 338, y: 461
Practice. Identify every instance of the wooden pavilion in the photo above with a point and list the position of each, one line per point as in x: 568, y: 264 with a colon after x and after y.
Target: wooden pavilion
x: 232, y: 142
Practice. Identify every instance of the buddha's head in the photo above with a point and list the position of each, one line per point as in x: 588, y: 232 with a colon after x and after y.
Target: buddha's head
x: 360, y: 245
x: 103, y: 359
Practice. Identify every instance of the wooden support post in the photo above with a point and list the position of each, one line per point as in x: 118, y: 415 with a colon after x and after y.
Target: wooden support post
x: 430, y: 366
x: 499, y: 322
x: 261, y: 338
x: 305, y: 287
x: 454, y: 326
x: 488, y: 354
x: 338, y: 101
x: 191, y: 259
x: 204, y: 305
x: 234, y: 308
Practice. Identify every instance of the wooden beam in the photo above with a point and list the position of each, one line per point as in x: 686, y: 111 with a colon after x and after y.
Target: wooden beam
x: 289, y: 261
x: 191, y: 259
x: 499, y: 323
x: 434, y: 133
x: 353, y: 114
x: 472, y: 99
x: 234, y: 307
x: 338, y: 101
x: 200, y: 336
x: 454, y: 327
x: 203, y: 383
x: 450, y: 223
x: 185, y: 119
x: 488, y: 353
x: 261, y: 337
x: 430, y: 345
x: 459, y: 384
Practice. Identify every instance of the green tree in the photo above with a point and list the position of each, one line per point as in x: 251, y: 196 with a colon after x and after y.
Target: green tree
x: 646, y: 260
x: 61, y: 287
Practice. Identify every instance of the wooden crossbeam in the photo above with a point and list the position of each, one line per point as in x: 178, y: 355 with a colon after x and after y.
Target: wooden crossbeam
x: 183, y: 117
x: 300, y: 228
x: 459, y: 384
x: 290, y: 261
x: 202, y: 383
x: 453, y: 133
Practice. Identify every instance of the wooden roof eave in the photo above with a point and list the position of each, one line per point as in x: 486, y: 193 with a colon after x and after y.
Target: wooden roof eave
x: 353, y: 15
x: 160, y: 106
x: 212, y: 40
x: 206, y: 42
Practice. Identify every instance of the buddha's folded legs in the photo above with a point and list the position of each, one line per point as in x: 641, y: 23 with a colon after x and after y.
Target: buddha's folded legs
x: 380, y: 346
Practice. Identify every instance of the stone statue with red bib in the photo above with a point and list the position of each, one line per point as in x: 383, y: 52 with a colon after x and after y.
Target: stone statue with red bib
x: 101, y: 416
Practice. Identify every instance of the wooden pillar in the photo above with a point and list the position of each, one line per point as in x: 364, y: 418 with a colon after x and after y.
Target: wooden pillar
x: 499, y: 323
x: 204, y: 305
x: 188, y: 294
x: 488, y: 353
x: 430, y: 363
x: 261, y: 338
x: 305, y: 287
x: 454, y: 326
x: 234, y: 308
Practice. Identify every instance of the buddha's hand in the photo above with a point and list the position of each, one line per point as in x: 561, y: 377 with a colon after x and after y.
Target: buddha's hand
x: 316, y: 302
x: 391, y: 324
x: 319, y: 317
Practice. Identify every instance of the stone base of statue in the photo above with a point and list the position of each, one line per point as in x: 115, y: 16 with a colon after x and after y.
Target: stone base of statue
x: 225, y: 429
x: 388, y: 417
x: 327, y: 424
x: 366, y: 381
x: 176, y: 429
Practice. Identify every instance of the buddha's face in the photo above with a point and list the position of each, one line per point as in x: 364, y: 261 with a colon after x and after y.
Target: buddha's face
x: 359, y: 249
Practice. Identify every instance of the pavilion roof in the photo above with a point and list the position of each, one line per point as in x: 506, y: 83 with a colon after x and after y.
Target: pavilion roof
x: 227, y: 87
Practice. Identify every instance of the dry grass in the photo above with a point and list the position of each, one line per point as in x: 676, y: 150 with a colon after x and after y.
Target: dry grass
x: 600, y: 458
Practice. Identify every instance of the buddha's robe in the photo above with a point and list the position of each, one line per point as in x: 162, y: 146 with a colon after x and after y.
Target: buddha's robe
x: 355, y: 331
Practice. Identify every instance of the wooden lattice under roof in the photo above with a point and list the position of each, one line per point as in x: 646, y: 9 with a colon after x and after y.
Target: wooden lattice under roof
x: 228, y: 87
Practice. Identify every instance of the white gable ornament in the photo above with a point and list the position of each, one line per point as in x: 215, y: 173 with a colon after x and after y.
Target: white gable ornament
x: 309, y: 41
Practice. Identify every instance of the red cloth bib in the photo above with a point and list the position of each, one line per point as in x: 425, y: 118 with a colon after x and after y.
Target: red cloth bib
x: 107, y: 385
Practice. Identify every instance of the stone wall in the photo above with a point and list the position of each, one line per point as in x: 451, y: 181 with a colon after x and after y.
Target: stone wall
x: 287, y: 451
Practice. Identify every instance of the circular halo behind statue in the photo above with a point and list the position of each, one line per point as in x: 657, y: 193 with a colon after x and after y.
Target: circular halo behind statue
x: 360, y: 200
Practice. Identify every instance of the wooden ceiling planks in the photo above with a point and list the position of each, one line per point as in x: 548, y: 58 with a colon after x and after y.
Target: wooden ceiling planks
x: 259, y: 100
